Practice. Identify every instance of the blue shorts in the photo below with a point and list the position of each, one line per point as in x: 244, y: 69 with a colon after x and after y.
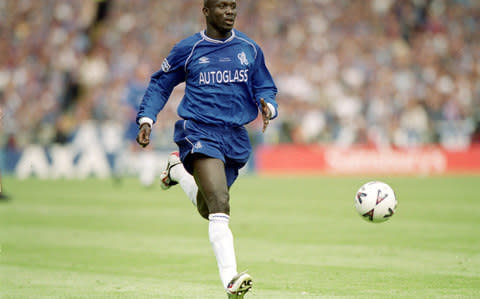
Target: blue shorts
x: 231, y: 145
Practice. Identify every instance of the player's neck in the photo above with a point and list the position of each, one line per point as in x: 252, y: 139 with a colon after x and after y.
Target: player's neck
x: 216, y: 34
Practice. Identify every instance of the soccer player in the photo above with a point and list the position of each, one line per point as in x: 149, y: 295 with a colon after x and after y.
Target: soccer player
x: 226, y: 84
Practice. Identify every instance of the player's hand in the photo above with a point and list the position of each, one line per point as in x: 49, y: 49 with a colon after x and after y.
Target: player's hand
x: 266, y: 114
x: 143, y: 136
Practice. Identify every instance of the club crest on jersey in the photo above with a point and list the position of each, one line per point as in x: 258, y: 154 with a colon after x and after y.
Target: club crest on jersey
x: 243, y: 58
x: 165, y: 65
x: 203, y: 60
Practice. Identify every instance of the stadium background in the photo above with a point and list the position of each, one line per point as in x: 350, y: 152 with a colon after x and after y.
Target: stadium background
x: 379, y: 86
x: 389, y: 84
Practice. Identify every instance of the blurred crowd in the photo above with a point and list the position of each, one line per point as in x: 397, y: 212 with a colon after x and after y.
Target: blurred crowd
x: 384, y: 73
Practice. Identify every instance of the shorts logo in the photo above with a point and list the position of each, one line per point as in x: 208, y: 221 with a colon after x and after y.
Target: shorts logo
x: 165, y: 65
x: 243, y: 58
x: 203, y: 60
x: 197, y: 145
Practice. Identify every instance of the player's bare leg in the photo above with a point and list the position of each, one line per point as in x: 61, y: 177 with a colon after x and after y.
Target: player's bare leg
x: 209, y: 173
x: 212, y: 202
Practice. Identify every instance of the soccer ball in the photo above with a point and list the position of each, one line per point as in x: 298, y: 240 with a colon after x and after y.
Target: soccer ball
x: 375, y: 201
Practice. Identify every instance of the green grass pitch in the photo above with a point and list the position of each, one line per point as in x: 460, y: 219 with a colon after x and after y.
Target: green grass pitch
x: 299, y: 237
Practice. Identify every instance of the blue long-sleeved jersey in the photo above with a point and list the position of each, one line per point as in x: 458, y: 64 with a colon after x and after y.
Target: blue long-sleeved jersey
x: 224, y: 81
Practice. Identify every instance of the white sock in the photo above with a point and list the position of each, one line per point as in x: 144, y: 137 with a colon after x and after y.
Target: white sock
x: 221, y: 239
x: 186, y: 181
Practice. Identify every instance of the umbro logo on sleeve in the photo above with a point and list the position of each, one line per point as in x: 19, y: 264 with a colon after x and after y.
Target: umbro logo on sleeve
x: 165, y: 65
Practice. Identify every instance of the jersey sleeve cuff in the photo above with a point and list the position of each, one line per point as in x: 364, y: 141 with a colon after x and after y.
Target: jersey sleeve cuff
x: 144, y: 120
x: 272, y: 110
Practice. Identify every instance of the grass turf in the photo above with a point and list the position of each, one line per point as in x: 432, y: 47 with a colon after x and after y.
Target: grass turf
x: 299, y: 237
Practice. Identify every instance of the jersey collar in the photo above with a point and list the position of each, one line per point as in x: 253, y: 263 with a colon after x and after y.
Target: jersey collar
x: 217, y: 41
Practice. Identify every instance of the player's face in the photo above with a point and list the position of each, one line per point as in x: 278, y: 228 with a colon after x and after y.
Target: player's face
x: 221, y: 14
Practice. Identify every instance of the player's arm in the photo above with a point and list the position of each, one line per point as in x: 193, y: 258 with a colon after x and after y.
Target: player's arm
x: 264, y: 90
x: 156, y: 96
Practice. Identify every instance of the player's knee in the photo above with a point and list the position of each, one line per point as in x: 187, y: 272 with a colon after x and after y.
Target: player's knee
x: 219, y: 203
x: 221, y: 207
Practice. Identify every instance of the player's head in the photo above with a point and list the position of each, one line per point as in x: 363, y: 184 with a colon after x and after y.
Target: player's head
x: 220, y: 14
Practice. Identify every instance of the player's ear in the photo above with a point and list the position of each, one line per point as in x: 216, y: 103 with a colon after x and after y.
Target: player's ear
x: 205, y: 11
